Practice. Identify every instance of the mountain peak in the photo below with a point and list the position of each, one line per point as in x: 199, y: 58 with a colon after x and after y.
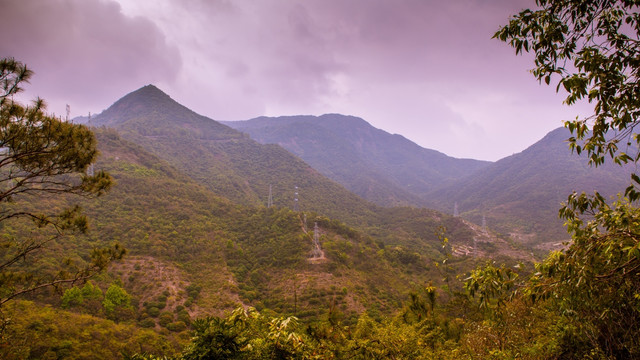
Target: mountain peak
x: 148, y: 94
x: 149, y: 90
x: 145, y: 100
x: 150, y: 110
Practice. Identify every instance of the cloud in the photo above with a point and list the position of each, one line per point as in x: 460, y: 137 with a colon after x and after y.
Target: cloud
x: 84, y: 52
x: 426, y: 69
x: 381, y: 60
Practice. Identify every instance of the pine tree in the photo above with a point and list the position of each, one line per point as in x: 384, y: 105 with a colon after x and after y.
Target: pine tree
x: 42, y: 156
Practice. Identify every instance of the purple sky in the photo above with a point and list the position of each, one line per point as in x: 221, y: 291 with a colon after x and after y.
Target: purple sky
x: 425, y: 69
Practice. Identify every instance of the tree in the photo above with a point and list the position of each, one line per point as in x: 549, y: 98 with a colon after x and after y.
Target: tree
x: 593, y: 46
x: 117, y: 303
x: 85, y: 298
x: 41, y: 157
x: 218, y: 338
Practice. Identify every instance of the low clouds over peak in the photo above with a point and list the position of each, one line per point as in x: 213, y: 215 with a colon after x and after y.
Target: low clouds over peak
x: 82, y: 48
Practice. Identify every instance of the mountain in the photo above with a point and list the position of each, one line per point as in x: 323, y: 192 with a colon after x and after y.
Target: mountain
x: 233, y: 174
x: 382, y: 168
x: 223, y: 159
x: 523, y: 192
x: 518, y: 195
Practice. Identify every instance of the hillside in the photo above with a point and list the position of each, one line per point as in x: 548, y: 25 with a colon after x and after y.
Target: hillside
x: 169, y: 217
x: 383, y: 168
x: 523, y: 192
x: 192, y: 250
x: 181, y: 236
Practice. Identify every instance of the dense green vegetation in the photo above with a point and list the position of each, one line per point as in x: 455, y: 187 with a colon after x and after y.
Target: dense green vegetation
x: 44, y: 332
x: 578, y: 304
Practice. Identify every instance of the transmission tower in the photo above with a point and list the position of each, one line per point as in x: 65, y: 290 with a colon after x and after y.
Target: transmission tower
x: 305, y: 222
x: 317, y: 252
x: 475, y: 246
x: 484, y: 223
x: 316, y: 233
x: 270, y: 200
x: 455, y: 210
x: 68, y: 112
x: 295, y: 200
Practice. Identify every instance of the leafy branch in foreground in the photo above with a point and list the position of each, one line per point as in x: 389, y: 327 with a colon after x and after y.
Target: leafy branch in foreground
x: 592, y: 286
x: 42, y: 156
x: 594, y: 49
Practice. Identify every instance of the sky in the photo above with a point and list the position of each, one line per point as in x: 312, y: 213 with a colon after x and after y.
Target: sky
x: 425, y: 69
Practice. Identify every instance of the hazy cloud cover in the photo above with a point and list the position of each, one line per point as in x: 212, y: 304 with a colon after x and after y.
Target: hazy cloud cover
x: 425, y: 69
x: 85, y: 53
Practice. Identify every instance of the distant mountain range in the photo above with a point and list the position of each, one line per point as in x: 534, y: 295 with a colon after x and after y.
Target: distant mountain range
x: 383, y: 168
x: 520, y: 194
x: 233, y: 166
